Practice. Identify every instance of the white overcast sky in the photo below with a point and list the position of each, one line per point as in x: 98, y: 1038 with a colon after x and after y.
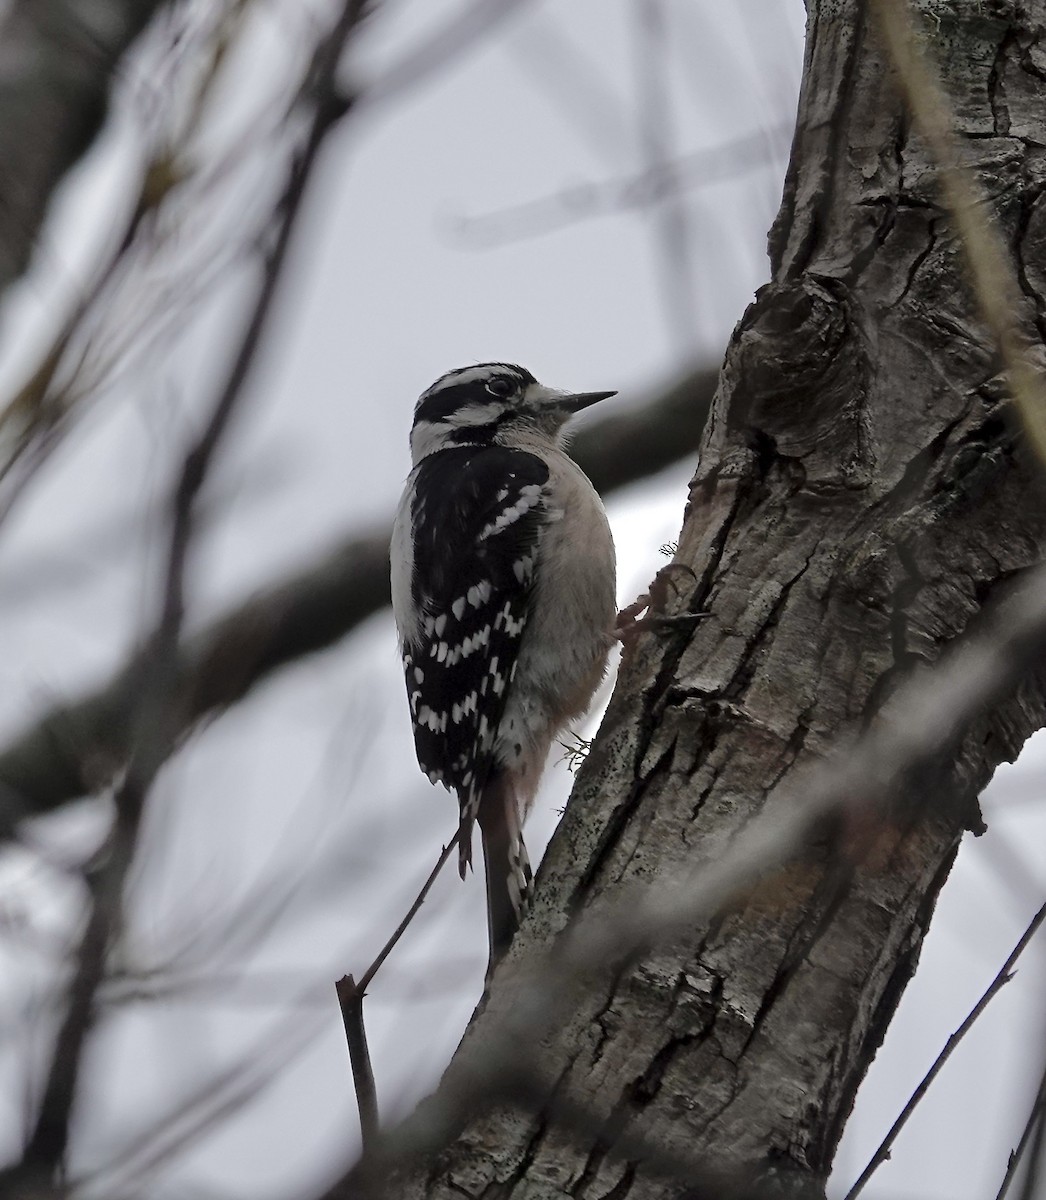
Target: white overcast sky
x: 307, y: 797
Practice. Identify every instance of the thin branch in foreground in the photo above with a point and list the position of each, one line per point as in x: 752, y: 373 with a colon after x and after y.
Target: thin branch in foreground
x: 1001, y: 979
x: 543, y: 49
x: 670, y: 218
x: 74, y: 84
x: 441, y: 47
x: 367, y: 977
x: 350, y: 1001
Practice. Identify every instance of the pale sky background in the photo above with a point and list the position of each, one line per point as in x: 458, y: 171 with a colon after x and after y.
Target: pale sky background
x: 301, y: 816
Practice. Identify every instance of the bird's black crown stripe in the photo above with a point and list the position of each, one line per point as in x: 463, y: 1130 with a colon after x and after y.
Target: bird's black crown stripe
x: 446, y: 396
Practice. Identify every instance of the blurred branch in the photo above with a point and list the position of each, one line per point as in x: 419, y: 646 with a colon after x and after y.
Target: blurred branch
x: 1003, y: 977
x: 581, y: 202
x: 75, y: 748
x: 96, y: 339
x: 155, y: 727
x: 574, y: 80
x: 45, y: 570
x: 59, y: 59
x: 669, y: 217
x: 72, y: 368
x: 441, y: 47
x: 189, y: 1120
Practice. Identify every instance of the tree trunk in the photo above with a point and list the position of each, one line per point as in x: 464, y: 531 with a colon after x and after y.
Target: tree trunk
x: 863, y: 493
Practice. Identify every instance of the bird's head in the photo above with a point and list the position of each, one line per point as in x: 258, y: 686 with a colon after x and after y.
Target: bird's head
x: 496, y: 403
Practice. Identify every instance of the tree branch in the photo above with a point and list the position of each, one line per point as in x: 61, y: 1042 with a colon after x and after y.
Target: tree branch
x: 155, y: 727
x: 1003, y: 977
x: 1031, y: 1128
x: 61, y: 56
x: 350, y: 1001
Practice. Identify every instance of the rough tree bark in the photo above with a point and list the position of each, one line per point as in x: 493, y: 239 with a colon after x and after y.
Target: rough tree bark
x: 863, y: 493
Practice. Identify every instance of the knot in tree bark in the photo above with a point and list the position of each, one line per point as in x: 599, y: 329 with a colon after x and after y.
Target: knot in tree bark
x: 797, y: 372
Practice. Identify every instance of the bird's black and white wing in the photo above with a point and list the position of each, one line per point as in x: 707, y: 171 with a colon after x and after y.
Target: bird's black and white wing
x: 467, y: 543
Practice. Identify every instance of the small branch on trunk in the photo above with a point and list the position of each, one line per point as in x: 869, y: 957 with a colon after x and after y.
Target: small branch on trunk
x: 350, y: 1000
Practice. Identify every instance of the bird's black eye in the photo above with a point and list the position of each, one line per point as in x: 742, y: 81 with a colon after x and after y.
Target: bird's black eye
x: 500, y: 388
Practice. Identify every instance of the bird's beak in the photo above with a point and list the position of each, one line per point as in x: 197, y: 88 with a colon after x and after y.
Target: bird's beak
x: 578, y: 400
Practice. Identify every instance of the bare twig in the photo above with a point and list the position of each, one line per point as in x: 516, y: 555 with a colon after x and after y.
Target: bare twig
x: 350, y: 1000
x: 35, y: 419
x: 1004, y: 976
x: 368, y: 975
x: 1034, y: 1135
x: 1033, y: 1124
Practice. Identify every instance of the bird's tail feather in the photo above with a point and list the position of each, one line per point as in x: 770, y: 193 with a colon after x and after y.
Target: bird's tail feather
x: 505, y: 864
